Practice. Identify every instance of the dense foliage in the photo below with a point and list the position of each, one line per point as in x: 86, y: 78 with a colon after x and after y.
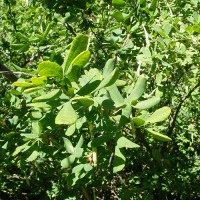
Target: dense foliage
x: 106, y: 105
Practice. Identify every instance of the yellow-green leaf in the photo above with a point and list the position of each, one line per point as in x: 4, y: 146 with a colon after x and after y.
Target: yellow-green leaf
x: 158, y: 136
x: 49, y: 96
x: 66, y: 115
x: 50, y: 69
x: 159, y: 115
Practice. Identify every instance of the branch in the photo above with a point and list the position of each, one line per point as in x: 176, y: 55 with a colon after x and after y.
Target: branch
x: 174, y: 117
x: 20, y: 73
x: 9, y: 74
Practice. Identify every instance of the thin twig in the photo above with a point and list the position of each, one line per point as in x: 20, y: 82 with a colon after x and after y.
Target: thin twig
x: 19, y: 73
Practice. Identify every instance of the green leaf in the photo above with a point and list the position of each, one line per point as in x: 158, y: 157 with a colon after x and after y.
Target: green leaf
x: 22, y: 37
x: 109, y: 66
x: 23, y: 84
x: 158, y: 136
x: 153, y: 5
x: 68, y: 146
x: 50, y: 69
x: 118, y: 3
x: 33, y: 89
x: 21, y: 148
x: 79, y: 44
x: 48, y: 28
x: 87, y: 167
x: 33, y: 156
x: 80, y: 61
x: 38, y: 105
x: 39, y: 80
x: 20, y: 47
x: 138, y: 89
x: 138, y: 121
x: 66, y: 115
x: 78, y: 152
x: 71, y: 129
x: 147, y: 103
x: 109, y: 80
x: 159, y: 115
x: 49, y: 96
x: 80, y: 142
x: 124, y: 119
x: 115, y: 95
x: 86, y: 101
x: 119, y: 160
x: 124, y: 142
x: 67, y: 162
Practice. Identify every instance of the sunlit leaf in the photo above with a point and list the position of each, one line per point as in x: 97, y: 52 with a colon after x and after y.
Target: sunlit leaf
x: 79, y: 44
x: 67, y: 162
x: 50, y: 69
x: 66, y: 115
x: 124, y: 142
x: 146, y: 104
x: 49, y: 96
x: 119, y: 161
x: 68, y: 146
x: 33, y: 156
x: 80, y: 61
x: 138, y: 89
x: 159, y: 115
x: 158, y: 136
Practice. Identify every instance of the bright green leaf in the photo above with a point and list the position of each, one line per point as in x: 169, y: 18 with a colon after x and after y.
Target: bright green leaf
x: 33, y: 156
x: 54, y: 94
x: 115, y: 95
x: 79, y: 44
x: 109, y: 80
x: 118, y: 3
x: 23, y: 84
x: 138, y: 121
x: 50, y: 69
x: 158, y: 136
x: 124, y: 142
x: 84, y: 100
x: 80, y: 61
x: 119, y: 160
x: 146, y: 104
x: 67, y: 162
x: 159, y: 115
x: 138, y: 89
x: 70, y: 130
x: 109, y: 66
x: 66, y: 115
x: 68, y: 146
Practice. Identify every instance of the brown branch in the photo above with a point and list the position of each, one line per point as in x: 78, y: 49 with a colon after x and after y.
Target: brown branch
x: 9, y: 74
x: 181, y: 101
